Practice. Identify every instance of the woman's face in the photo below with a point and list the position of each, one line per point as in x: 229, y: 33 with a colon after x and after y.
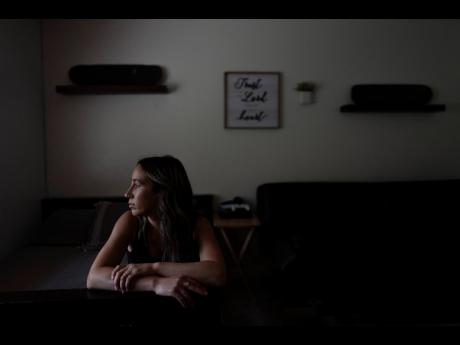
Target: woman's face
x: 142, y: 199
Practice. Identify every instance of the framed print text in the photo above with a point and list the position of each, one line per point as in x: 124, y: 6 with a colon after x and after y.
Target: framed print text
x: 252, y: 99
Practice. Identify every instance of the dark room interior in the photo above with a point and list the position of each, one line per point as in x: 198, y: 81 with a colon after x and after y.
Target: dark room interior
x: 322, y: 154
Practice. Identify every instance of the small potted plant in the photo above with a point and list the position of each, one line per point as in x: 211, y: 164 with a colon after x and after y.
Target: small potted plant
x: 305, y: 90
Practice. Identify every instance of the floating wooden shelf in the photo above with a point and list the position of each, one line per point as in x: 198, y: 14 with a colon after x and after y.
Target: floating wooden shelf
x: 109, y: 89
x: 353, y: 108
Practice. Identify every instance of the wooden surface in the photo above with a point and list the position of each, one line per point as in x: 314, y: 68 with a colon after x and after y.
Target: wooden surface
x: 229, y: 223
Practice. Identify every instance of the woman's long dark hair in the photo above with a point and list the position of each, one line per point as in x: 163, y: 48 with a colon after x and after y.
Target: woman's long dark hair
x: 175, y: 212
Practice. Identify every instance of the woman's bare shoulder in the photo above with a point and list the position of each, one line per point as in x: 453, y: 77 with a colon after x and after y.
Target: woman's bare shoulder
x: 127, y: 223
x: 202, y: 221
x: 202, y: 227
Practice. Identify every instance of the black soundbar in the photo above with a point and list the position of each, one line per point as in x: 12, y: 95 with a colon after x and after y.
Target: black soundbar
x: 426, y: 108
x: 405, y: 95
x: 116, y: 74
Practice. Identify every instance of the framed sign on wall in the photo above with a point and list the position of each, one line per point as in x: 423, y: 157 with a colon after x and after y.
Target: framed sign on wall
x: 252, y: 99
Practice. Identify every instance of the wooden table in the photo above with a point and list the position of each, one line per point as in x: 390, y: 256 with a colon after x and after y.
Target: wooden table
x: 229, y: 224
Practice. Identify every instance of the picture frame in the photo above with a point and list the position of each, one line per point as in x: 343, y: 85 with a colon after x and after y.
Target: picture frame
x: 252, y: 100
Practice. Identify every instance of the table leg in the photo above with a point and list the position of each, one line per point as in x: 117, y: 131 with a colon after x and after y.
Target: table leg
x: 246, y: 243
x: 229, y: 246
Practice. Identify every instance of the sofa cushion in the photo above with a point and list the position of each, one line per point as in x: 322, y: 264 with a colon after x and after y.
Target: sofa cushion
x: 107, y: 215
x: 66, y: 228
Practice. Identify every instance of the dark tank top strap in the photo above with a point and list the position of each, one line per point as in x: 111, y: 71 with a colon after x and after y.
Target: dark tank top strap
x: 139, y: 246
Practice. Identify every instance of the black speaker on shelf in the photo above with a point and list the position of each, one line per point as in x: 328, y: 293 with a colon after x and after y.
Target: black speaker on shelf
x: 391, y: 94
x: 116, y: 74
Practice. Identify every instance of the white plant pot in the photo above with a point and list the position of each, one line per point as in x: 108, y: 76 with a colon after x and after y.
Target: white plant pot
x: 305, y: 97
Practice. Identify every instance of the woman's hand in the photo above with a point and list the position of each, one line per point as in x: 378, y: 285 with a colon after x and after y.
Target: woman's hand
x: 122, y: 276
x: 180, y: 288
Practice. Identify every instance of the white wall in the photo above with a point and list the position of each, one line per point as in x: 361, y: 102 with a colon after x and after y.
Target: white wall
x: 94, y: 141
x: 21, y: 132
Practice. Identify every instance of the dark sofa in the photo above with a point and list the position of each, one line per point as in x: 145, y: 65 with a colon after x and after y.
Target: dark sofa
x: 365, y: 252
